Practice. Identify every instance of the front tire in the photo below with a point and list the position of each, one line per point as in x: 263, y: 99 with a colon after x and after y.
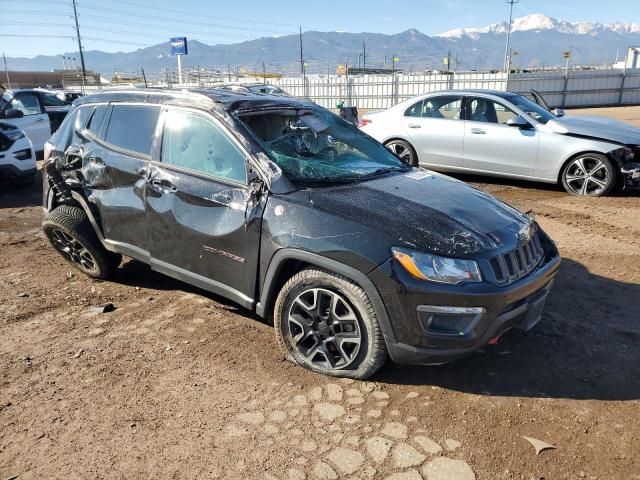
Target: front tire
x: 326, y: 323
x: 404, y: 151
x: 589, y: 174
x: 69, y: 231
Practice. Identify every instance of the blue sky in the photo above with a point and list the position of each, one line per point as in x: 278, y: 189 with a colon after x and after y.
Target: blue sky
x: 137, y: 23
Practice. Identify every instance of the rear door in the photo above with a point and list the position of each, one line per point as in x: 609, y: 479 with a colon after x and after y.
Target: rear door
x: 436, y: 130
x: 493, y: 146
x: 35, y: 121
x: 115, y: 166
x: 204, y: 222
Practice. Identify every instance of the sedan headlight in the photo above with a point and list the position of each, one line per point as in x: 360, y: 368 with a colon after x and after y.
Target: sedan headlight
x: 426, y: 266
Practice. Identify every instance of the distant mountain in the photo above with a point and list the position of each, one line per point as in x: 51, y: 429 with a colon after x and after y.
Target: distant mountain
x: 537, y: 38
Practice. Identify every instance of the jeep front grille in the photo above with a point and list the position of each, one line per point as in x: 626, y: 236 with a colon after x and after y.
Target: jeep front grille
x: 512, y: 266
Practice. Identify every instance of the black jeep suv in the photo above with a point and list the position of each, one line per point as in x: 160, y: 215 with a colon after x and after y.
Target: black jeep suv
x: 295, y: 214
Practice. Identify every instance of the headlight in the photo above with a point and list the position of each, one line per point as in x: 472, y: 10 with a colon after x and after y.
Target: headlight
x: 426, y: 266
x: 14, y: 134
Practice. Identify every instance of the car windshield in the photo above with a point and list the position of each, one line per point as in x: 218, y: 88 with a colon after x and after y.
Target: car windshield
x: 532, y: 109
x: 50, y: 100
x: 316, y: 146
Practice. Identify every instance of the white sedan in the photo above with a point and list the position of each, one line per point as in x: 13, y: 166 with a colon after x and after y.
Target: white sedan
x: 506, y: 134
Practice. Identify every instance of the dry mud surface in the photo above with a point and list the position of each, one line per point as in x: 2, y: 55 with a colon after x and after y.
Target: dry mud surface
x: 179, y: 383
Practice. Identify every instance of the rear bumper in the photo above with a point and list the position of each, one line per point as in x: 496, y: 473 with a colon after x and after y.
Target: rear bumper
x: 517, y: 306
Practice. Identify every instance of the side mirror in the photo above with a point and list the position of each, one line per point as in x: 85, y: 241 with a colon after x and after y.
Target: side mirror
x: 558, y: 112
x: 12, y: 113
x: 518, y: 122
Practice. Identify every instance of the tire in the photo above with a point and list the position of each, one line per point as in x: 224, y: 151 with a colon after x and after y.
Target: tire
x: 69, y: 231
x: 589, y: 174
x: 404, y: 151
x: 347, y: 339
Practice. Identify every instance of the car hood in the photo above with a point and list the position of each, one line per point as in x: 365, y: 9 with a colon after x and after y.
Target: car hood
x: 429, y: 212
x: 597, y: 127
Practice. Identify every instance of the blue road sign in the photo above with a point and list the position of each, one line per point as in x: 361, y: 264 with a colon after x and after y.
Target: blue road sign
x: 179, y: 46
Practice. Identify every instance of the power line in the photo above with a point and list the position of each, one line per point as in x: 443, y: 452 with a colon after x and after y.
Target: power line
x: 172, y: 20
x: 182, y: 12
x: 72, y: 37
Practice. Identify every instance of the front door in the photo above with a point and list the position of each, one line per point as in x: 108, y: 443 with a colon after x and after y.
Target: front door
x: 490, y: 145
x: 436, y: 130
x: 204, y: 221
x: 35, y: 121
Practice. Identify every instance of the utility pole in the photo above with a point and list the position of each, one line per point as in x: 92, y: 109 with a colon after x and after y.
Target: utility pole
x: 75, y: 15
x: 6, y: 70
x: 507, y: 57
x: 364, y: 55
x: 229, y: 70
x: 301, y: 54
x: 264, y: 73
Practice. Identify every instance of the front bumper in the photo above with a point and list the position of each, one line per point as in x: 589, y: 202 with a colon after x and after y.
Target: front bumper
x: 631, y: 175
x: 11, y: 172
x: 516, y: 306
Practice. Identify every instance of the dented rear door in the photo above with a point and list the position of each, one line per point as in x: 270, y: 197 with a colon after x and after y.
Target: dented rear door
x: 204, y: 219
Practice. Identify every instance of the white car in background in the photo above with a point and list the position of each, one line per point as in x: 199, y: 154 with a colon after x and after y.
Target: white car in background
x: 37, y: 112
x: 17, y: 158
x: 506, y: 134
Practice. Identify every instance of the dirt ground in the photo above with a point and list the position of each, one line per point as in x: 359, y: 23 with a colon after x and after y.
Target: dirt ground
x: 179, y: 383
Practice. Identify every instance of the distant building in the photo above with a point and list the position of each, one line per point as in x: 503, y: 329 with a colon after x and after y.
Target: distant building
x: 55, y: 79
x: 633, y: 58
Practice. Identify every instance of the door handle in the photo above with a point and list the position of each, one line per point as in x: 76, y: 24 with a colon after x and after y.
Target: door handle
x: 164, y: 185
x: 96, y: 161
x: 39, y: 119
x: 478, y: 131
x: 413, y: 125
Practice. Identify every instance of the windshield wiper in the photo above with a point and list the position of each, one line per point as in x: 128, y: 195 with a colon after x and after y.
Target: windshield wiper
x: 385, y: 170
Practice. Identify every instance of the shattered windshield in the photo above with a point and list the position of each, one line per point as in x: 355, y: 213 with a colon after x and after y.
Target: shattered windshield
x: 315, y: 146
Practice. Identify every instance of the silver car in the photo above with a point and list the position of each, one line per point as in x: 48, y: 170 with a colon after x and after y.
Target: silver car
x: 506, y: 134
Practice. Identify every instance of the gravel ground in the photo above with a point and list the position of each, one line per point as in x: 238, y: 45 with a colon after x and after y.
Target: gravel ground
x: 179, y: 383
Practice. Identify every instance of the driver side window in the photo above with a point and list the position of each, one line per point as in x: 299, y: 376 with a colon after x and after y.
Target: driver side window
x: 489, y: 111
x: 194, y: 141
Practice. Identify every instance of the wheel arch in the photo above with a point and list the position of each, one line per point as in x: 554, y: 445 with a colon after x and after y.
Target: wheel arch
x: 288, y: 261
x: 583, y: 152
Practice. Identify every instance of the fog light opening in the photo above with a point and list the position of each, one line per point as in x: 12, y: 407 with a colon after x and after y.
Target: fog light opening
x: 449, y: 321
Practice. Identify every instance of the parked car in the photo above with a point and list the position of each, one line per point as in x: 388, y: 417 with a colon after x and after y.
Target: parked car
x: 262, y: 88
x: 292, y: 212
x: 17, y: 158
x: 37, y: 112
x: 505, y: 134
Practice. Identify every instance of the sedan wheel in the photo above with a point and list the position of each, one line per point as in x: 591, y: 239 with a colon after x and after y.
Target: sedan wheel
x: 591, y: 174
x: 404, y: 151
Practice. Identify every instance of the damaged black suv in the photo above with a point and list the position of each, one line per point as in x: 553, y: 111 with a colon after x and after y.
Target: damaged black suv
x: 291, y: 212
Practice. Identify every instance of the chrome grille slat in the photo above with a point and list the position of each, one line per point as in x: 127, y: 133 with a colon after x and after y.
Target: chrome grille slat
x: 512, y: 266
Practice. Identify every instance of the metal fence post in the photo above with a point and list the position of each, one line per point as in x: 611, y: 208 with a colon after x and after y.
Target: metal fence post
x: 624, y: 77
x: 564, y: 89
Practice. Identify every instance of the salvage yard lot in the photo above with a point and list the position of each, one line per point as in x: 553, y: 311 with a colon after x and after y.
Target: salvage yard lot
x: 179, y: 383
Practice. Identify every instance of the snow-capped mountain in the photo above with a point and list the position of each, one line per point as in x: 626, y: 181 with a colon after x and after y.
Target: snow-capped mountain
x: 540, y: 22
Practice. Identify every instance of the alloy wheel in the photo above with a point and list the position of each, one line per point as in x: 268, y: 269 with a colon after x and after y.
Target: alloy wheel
x: 401, y: 151
x: 587, y: 176
x: 72, y: 249
x: 324, y: 328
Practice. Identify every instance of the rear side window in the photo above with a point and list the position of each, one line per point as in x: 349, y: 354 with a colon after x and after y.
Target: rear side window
x: 96, y: 119
x: 132, y: 127
x: 195, y: 142
x: 27, y: 103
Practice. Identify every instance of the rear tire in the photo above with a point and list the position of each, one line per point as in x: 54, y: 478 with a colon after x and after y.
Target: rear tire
x: 589, y: 174
x: 404, y: 151
x: 69, y: 231
x: 326, y: 323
